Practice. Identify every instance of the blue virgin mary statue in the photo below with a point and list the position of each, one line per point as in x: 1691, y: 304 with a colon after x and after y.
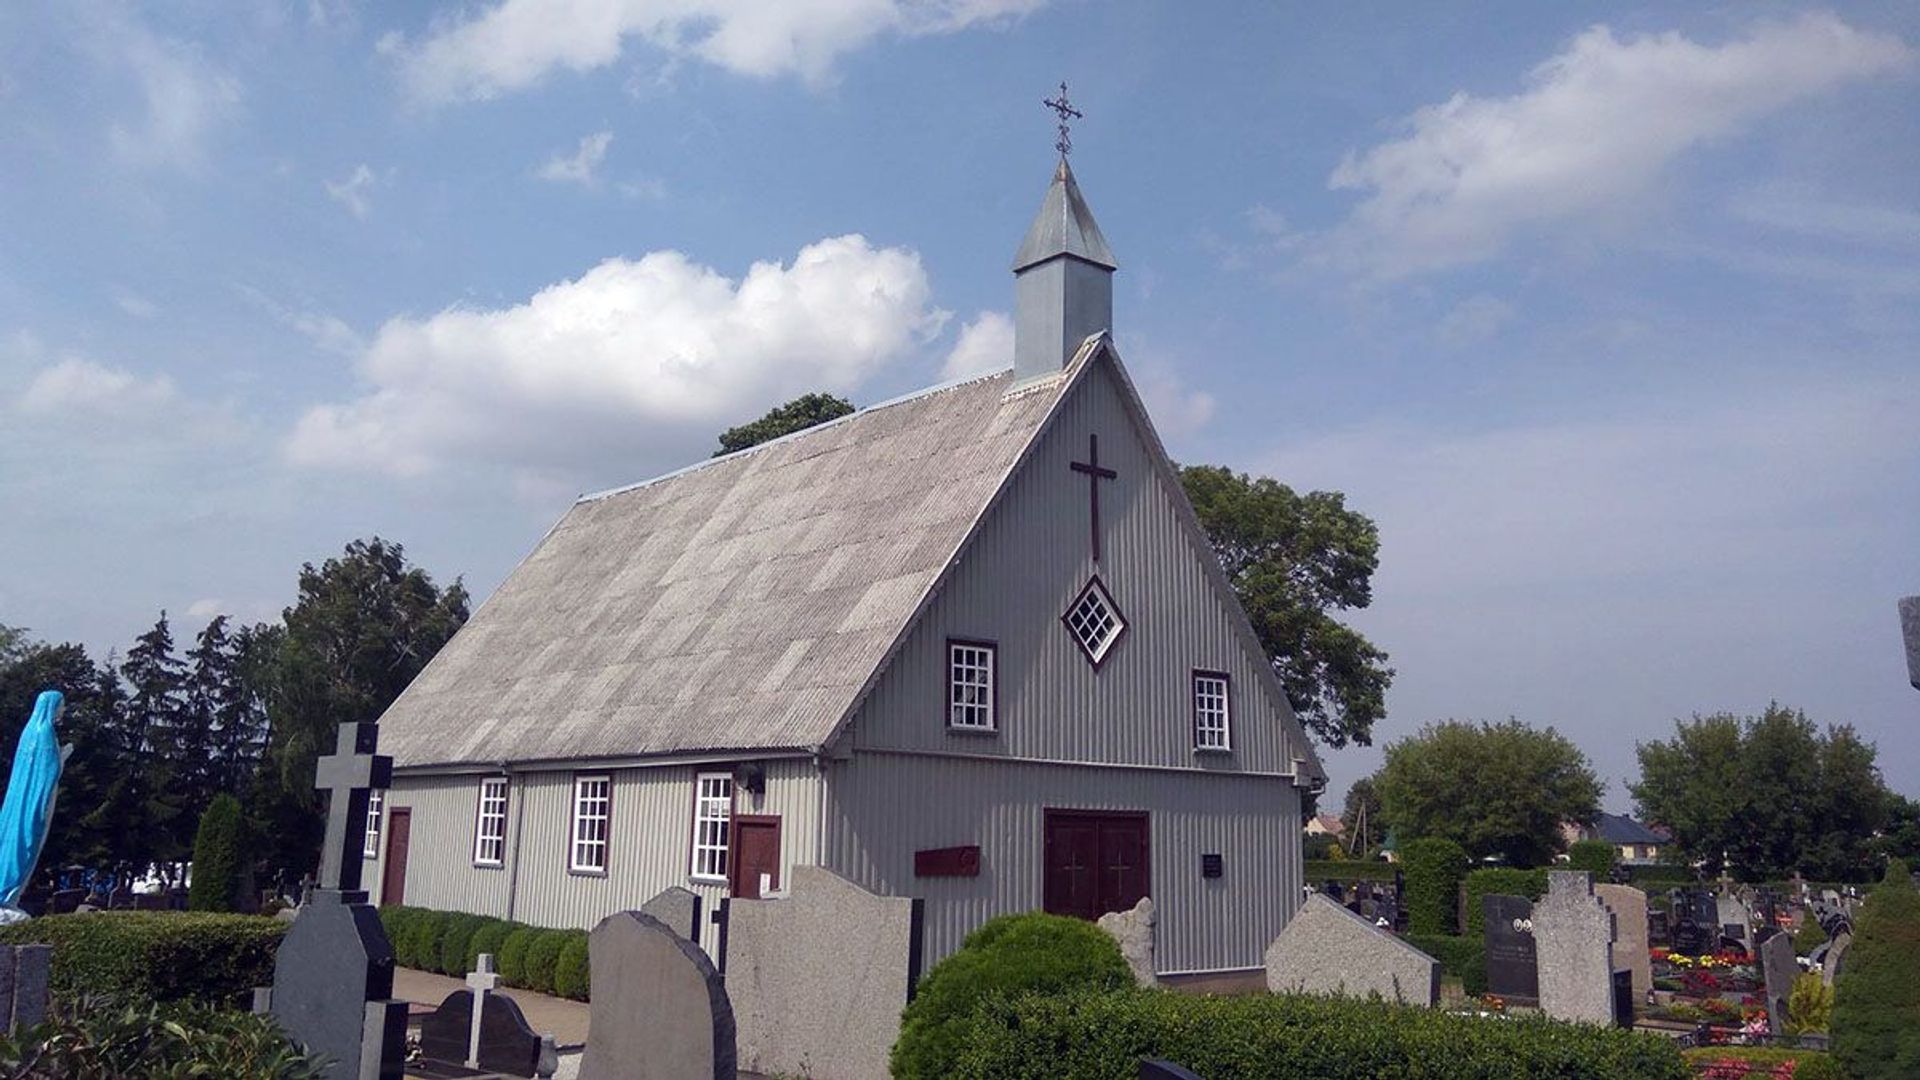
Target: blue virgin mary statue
x: 28, y: 810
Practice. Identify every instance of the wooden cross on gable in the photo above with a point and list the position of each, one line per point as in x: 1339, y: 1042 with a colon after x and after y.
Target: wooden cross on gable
x: 1095, y: 473
x: 348, y: 775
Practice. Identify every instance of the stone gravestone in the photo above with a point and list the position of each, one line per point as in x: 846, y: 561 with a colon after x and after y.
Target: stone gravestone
x: 1629, y: 908
x: 333, y: 977
x: 818, y: 977
x: 660, y: 1010
x: 1779, y: 968
x: 1326, y: 949
x: 678, y: 909
x: 1573, y: 938
x: 25, y: 977
x: 1736, y: 922
x: 507, y: 1043
x: 1910, y: 630
x: 1154, y: 1069
x: 1512, y: 972
x: 1835, y: 954
x: 1133, y: 931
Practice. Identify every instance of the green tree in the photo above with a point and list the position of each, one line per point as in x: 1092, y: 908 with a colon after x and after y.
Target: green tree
x: 1769, y: 795
x: 222, y: 857
x: 1498, y: 790
x: 797, y: 415
x: 89, y: 724
x: 153, y: 723
x: 1293, y: 560
x: 1900, y: 836
x: 362, y: 626
x: 1876, y: 1009
x: 1433, y: 868
x: 1363, y: 794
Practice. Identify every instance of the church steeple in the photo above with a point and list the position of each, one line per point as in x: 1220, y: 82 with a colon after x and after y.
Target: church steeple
x: 1063, y: 274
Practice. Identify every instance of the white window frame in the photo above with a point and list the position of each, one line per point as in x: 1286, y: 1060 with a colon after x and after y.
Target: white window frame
x: 712, y: 822
x: 1212, y: 711
x: 490, y: 823
x: 972, y: 694
x: 592, y: 805
x: 1096, y: 653
x: 376, y: 805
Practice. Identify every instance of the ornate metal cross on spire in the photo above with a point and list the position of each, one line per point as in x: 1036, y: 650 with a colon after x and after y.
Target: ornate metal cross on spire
x: 348, y: 775
x: 1095, y: 473
x: 1065, y: 111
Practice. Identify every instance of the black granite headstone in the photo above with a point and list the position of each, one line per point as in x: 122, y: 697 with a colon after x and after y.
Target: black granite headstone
x: 1512, y: 965
x: 507, y: 1044
x: 1623, y: 998
x: 1154, y: 1069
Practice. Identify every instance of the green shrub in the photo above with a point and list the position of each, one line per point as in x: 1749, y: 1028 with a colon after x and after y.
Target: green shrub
x: 1012, y: 954
x: 159, y: 955
x: 513, y: 955
x: 454, y: 941
x: 1348, y: 870
x: 1087, y: 1035
x: 1876, y: 1010
x: 222, y: 856
x: 111, y: 1039
x: 1662, y: 874
x: 1432, y: 869
x: 1464, y: 958
x: 488, y: 939
x: 1818, y: 1067
x: 1809, y: 1004
x: 543, y: 955
x: 571, y: 972
x: 421, y: 947
x: 396, y: 919
x: 1809, y: 936
x: 1505, y: 880
x: 1596, y: 857
x: 1761, y: 1062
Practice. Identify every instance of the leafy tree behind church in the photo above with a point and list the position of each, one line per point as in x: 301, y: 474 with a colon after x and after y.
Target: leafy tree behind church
x: 1498, y: 790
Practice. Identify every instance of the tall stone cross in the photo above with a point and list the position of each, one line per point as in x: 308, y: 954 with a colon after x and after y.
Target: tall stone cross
x: 1065, y: 111
x: 1095, y: 473
x: 348, y: 775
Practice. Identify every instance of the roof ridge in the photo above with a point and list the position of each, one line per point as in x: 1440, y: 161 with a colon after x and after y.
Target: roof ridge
x: 916, y: 395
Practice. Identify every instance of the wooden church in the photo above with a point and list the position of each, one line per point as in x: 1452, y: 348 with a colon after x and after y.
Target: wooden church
x: 969, y: 646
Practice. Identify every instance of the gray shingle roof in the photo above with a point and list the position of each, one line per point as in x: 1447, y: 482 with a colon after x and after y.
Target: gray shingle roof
x: 740, y: 604
x: 1620, y: 829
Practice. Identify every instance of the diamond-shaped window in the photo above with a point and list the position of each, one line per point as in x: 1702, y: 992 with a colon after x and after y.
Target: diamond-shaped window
x: 1095, y: 622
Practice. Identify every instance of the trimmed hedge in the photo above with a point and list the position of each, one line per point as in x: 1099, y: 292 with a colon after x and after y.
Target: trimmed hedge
x: 488, y: 939
x: 1027, y: 953
x: 1662, y: 874
x: 1876, y: 1008
x: 220, y: 857
x: 1432, y: 869
x: 1464, y: 958
x: 158, y: 955
x: 513, y: 955
x: 1348, y: 870
x: 1506, y: 880
x: 1596, y: 857
x: 1090, y: 1035
x: 543, y: 955
x: 454, y: 941
x: 571, y: 974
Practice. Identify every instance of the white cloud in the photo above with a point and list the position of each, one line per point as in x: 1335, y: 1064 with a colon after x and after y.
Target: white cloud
x: 184, y: 97
x: 326, y: 331
x: 86, y: 409
x: 636, y: 361
x: 1176, y: 409
x: 582, y: 167
x: 985, y: 344
x: 1597, y: 125
x: 134, y: 304
x: 1474, y: 320
x: 79, y: 385
x: 355, y: 192
x: 1806, y: 213
x: 514, y: 44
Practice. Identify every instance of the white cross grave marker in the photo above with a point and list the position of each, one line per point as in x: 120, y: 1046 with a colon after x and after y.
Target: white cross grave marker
x: 481, y: 981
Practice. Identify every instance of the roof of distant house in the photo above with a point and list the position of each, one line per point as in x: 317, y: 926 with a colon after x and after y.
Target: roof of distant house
x: 1331, y: 823
x: 1620, y: 829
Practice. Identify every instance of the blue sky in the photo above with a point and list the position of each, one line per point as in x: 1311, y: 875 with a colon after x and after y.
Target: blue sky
x: 1609, y: 317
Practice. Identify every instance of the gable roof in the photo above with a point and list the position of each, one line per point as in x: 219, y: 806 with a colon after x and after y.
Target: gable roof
x: 739, y: 604
x: 1620, y: 829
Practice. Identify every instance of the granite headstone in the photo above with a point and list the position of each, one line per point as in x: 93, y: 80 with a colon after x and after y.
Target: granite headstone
x: 1154, y: 1069
x: 1779, y: 968
x: 1910, y: 630
x: 1836, y: 954
x: 1630, y: 951
x: 1512, y: 970
x: 1735, y: 920
x: 678, y: 909
x: 659, y: 1011
x: 1133, y: 930
x: 1326, y: 949
x: 1573, y: 935
x: 508, y: 1044
x: 25, y: 984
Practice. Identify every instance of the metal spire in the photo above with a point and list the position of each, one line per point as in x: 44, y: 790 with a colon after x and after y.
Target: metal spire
x: 1065, y: 110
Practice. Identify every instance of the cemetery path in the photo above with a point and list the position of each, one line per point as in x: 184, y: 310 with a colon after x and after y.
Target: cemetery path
x: 565, y: 1020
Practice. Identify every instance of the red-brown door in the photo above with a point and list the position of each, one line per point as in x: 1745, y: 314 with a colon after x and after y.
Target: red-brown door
x: 393, y: 882
x: 755, y: 856
x: 1096, y: 862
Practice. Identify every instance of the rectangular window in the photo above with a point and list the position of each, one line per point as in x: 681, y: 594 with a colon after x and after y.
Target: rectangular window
x: 592, y: 817
x: 1210, y: 711
x: 712, y: 812
x: 370, y: 846
x: 970, y: 695
x: 490, y: 824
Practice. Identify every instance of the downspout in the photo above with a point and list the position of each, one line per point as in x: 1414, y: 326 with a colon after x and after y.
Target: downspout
x: 519, y: 822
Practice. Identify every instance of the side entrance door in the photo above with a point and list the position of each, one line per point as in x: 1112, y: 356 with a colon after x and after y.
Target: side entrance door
x: 393, y: 882
x: 755, y: 856
x: 1096, y: 862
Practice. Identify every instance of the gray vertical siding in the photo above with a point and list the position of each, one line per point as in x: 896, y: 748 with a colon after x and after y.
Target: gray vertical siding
x: 1028, y: 562
x: 649, y: 849
x: 882, y: 807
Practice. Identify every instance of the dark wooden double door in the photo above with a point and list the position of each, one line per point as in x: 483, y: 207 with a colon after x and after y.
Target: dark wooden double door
x: 1096, y: 862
